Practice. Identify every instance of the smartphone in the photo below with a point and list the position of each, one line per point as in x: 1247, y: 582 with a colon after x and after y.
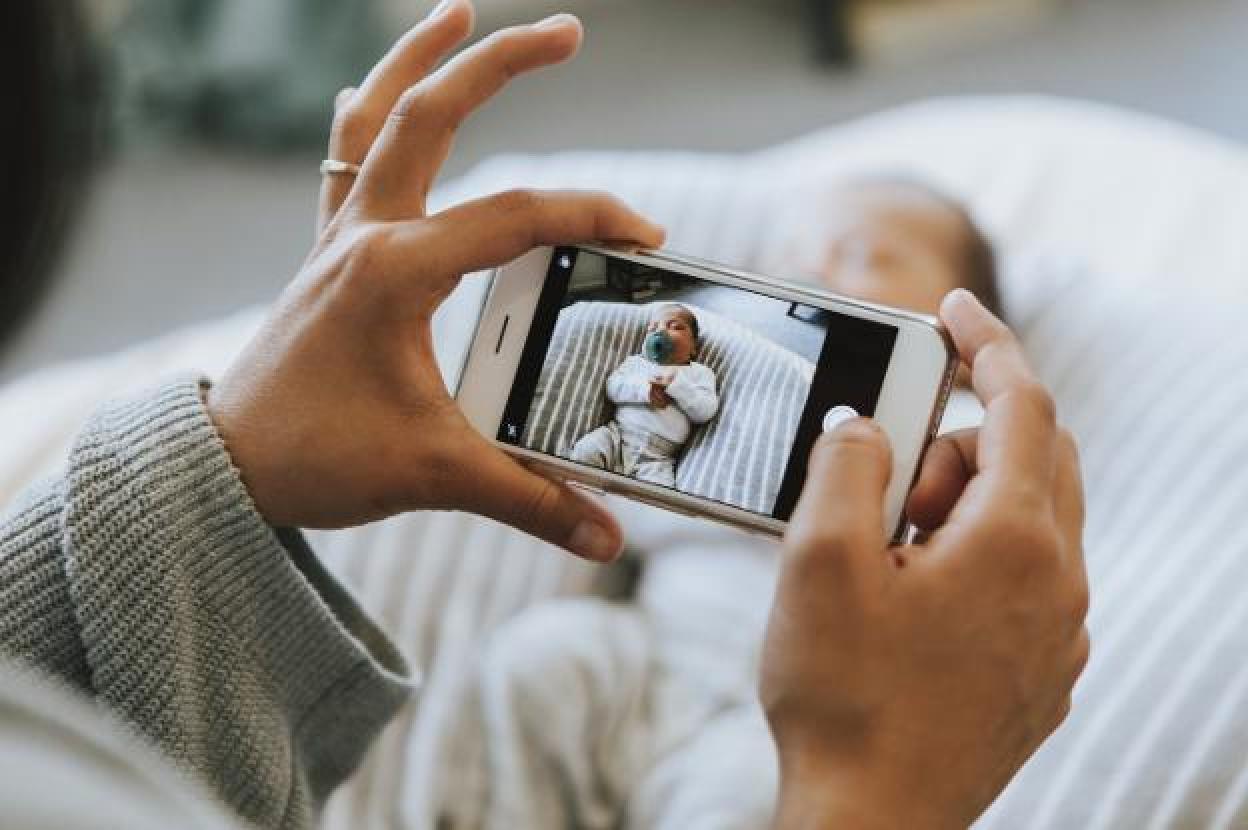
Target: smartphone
x: 693, y: 386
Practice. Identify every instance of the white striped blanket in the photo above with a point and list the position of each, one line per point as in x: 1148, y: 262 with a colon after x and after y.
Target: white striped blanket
x: 738, y: 457
x: 1154, y: 389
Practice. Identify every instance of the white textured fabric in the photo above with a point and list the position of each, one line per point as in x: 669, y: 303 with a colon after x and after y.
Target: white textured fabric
x: 691, y: 387
x: 1091, y: 207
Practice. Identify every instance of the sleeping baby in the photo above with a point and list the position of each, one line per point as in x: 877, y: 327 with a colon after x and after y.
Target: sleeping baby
x: 659, y: 396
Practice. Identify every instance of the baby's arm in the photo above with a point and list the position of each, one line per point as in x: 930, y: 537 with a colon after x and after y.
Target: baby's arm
x: 693, y: 390
x: 630, y: 383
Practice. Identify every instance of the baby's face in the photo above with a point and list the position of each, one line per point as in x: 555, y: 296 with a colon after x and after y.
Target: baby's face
x: 675, y: 321
x: 892, y: 243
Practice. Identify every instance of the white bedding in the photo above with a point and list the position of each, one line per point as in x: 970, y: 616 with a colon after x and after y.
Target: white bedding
x: 1116, y: 228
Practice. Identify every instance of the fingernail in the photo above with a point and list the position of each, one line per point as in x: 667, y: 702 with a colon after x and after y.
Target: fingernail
x: 963, y: 297
x: 956, y: 299
x: 555, y: 21
x: 592, y: 541
x: 442, y: 8
x: 960, y: 295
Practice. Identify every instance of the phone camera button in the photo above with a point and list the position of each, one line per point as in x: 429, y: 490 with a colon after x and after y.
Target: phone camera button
x: 838, y: 415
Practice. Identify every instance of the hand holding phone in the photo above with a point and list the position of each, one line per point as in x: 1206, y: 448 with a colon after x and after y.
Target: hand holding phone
x: 336, y: 413
x: 963, y: 647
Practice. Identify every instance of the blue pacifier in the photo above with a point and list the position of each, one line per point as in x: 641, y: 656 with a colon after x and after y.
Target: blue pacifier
x: 658, y: 347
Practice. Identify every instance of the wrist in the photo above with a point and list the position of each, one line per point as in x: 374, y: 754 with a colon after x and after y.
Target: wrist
x: 815, y: 794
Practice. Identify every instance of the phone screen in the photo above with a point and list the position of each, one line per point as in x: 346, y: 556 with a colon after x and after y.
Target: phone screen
x: 715, y: 391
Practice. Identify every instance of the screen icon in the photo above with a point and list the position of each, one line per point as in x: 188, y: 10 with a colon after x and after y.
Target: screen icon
x: 837, y: 415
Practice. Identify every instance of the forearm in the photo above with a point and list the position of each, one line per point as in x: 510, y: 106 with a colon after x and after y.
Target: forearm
x: 222, y: 641
x: 38, y: 626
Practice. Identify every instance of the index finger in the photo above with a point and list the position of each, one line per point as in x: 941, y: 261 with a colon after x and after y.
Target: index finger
x: 416, y: 139
x: 407, y: 63
x: 1017, y: 443
x: 359, y: 114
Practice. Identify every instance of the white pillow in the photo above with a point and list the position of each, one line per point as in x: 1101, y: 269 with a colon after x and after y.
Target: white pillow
x: 1156, y: 394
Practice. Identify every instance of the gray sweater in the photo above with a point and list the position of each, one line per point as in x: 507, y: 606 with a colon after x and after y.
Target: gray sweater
x: 144, y: 579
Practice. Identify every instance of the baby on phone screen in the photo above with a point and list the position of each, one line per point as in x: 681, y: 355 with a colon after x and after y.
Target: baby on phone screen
x: 659, y: 396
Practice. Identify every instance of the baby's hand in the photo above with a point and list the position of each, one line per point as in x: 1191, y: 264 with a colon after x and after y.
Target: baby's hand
x: 659, y: 398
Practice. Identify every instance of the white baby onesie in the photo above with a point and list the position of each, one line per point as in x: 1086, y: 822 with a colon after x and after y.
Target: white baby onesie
x: 692, y: 389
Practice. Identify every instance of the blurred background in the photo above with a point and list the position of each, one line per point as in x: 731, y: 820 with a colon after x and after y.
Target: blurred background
x: 219, y: 111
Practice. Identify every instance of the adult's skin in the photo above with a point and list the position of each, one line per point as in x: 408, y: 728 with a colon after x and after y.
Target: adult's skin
x: 337, y: 414
x: 904, y: 686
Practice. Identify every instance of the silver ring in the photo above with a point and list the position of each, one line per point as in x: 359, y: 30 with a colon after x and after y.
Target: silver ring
x: 333, y: 166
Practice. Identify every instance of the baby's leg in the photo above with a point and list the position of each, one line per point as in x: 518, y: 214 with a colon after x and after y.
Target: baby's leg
x: 563, y: 702
x: 653, y: 458
x: 599, y: 448
x: 658, y: 472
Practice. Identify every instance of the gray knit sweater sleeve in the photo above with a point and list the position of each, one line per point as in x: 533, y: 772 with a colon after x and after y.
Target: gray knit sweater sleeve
x: 145, y: 578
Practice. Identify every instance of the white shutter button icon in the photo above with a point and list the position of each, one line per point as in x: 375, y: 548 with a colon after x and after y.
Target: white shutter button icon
x: 838, y: 415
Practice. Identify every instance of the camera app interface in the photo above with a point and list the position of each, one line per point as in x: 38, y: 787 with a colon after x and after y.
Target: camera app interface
x: 712, y: 390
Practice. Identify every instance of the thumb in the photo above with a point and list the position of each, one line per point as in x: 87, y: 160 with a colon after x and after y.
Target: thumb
x: 841, y: 510
x: 559, y: 513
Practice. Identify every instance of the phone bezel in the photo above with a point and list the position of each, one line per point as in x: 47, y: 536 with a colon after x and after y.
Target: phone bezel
x: 919, y: 378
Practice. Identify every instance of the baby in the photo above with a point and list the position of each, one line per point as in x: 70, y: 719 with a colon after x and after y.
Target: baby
x: 644, y: 713
x: 659, y: 396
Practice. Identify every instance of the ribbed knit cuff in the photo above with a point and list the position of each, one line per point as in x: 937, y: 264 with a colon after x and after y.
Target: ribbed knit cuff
x: 224, y: 641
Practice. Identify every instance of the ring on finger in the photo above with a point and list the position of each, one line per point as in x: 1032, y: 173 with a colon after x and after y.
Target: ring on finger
x: 334, y: 167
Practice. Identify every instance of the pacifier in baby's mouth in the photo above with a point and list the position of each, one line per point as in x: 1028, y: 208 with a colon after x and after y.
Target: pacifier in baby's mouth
x: 658, y: 347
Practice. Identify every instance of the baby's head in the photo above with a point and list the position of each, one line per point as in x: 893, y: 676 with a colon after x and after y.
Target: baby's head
x: 681, y: 326
x: 900, y: 242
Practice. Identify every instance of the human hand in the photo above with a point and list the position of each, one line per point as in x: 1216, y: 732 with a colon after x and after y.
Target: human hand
x: 337, y: 414
x: 659, y: 398
x: 906, y: 686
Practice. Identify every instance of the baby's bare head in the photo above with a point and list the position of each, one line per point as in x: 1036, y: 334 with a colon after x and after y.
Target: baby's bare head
x: 681, y: 325
x: 901, y: 242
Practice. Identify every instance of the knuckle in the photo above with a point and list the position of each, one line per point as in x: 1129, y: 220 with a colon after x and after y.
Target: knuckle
x: 1083, y: 651
x: 819, y: 550
x: 1028, y: 541
x: 518, y: 200
x: 371, y: 238
x: 609, y: 214
x: 500, y: 46
x: 602, y: 200
x: 1068, y: 446
x: 350, y: 133
x: 1033, y: 394
x: 542, y: 504
x: 1080, y: 602
x: 364, y: 246
x: 343, y: 97
x: 1063, y: 712
x: 414, y: 102
x: 1000, y: 347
